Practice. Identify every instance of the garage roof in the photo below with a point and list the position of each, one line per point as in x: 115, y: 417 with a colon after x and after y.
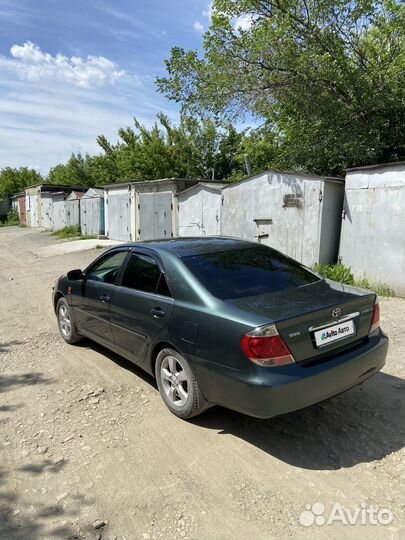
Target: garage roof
x: 148, y: 182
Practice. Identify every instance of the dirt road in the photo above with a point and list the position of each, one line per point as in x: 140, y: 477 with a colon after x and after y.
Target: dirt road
x: 84, y: 436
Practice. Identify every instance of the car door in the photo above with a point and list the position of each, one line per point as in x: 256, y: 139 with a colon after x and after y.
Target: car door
x: 141, y: 305
x: 92, y: 305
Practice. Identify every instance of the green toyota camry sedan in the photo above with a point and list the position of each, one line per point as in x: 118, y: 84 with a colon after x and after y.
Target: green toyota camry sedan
x: 223, y: 321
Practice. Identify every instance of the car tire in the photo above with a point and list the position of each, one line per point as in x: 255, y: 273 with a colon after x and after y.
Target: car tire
x: 66, y: 325
x: 178, y: 385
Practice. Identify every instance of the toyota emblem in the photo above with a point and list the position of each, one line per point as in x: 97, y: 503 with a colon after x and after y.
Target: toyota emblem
x: 336, y: 312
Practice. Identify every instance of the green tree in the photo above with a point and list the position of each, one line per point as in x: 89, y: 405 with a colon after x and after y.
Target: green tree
x: 76, y: 172
x: 15, y: 180
x: 192, y: 149
x: 327, y: 75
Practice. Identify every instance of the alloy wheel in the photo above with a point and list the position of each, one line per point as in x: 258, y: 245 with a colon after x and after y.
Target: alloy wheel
x: 175, y: 381
x: 65, y: 324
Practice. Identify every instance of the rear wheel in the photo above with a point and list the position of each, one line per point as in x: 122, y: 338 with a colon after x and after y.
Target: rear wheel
x: 66, y: 325
x: 178, y: 385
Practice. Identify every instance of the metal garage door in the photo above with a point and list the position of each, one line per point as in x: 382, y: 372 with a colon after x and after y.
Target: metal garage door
x: 33, y: 202
x: 155, y: 215
x: 72, y: 212
x: 46, y: 211
x: 92, y: 215
x: 22, y: 210
x: 119, y: 217
x: 59, y: 212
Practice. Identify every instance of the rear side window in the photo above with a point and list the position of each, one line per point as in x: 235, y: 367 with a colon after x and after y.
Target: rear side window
x: 143, y: 274
x: 247, y: 272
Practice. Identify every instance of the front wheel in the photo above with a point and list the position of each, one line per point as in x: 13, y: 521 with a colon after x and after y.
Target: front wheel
x: 178, y: 385
x: 66, y: 326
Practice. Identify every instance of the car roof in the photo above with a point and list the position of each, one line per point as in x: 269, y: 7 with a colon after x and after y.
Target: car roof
x: 186, y: 246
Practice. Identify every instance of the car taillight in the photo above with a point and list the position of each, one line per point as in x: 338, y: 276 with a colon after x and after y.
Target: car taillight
x: 375, y: 323
x: 265, y: 347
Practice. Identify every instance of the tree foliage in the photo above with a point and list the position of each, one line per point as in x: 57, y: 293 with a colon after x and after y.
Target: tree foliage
x: 328, y: 76
x: 76, y: 172
x: 192, y: 149
x: 14, y: 180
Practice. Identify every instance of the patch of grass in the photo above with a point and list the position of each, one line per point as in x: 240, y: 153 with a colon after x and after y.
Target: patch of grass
x: 382, y: 289
x: 336, y: 272
x: 98, y: 246
x: 343, y: 274
x: 73, y: 231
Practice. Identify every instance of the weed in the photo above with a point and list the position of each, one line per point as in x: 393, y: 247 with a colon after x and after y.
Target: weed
x: 336, y: 272
x: 343, y: 274
x: 72, y: 231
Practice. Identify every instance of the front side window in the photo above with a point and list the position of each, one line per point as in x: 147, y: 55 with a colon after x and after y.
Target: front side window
x: 143, y: 274
x: 107, y: 269
x: 248, y: 272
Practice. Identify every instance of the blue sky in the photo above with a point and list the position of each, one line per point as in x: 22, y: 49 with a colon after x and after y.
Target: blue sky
x: 71, y: 70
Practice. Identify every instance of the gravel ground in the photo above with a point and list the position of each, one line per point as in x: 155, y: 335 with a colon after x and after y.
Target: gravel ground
x: 88, y: 450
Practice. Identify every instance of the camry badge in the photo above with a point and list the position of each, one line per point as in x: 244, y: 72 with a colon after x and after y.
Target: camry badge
x: 336, y: 312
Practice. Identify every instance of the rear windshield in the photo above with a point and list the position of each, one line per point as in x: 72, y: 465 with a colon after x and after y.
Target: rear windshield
x: 247, y: 272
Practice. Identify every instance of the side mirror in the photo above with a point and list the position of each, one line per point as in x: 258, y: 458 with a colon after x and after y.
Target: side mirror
x: 75, y: 275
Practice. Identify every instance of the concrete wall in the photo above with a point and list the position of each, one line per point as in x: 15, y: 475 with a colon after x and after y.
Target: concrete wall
x: 373, y: 226
x: 284, y: 211
x: 199, y: 211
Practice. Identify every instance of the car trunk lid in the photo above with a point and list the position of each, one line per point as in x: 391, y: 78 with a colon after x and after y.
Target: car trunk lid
x: 316, y: 318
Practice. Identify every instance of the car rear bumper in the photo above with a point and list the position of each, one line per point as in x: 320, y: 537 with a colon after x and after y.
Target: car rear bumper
x: 268, y: 392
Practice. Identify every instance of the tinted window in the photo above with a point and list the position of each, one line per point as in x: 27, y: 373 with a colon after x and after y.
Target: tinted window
x: 142, y: 273
x: 163, y: 288
x: 107, y: 269
x: 247, y: 272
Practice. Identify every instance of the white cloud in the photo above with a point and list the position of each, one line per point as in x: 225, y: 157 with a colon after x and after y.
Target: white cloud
x: 244, y: 22
x: 124, y: 16
x: 208, y: 12
x: 198, y: 27
x: 30, y: 63
x: 43, y: 122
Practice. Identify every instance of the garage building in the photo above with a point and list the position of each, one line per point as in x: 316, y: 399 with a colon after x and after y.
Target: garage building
x: 45, y: 205
x: 373, y: 224
x: 143, y: 210
x: 295, y: 213
x: 92, y: 212
x: 18, y: 205
x: 73, y: 208
x: 199, y: 208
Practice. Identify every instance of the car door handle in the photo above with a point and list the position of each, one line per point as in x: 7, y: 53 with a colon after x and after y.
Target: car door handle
x: 105, y: 298
x: 158, y: 312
